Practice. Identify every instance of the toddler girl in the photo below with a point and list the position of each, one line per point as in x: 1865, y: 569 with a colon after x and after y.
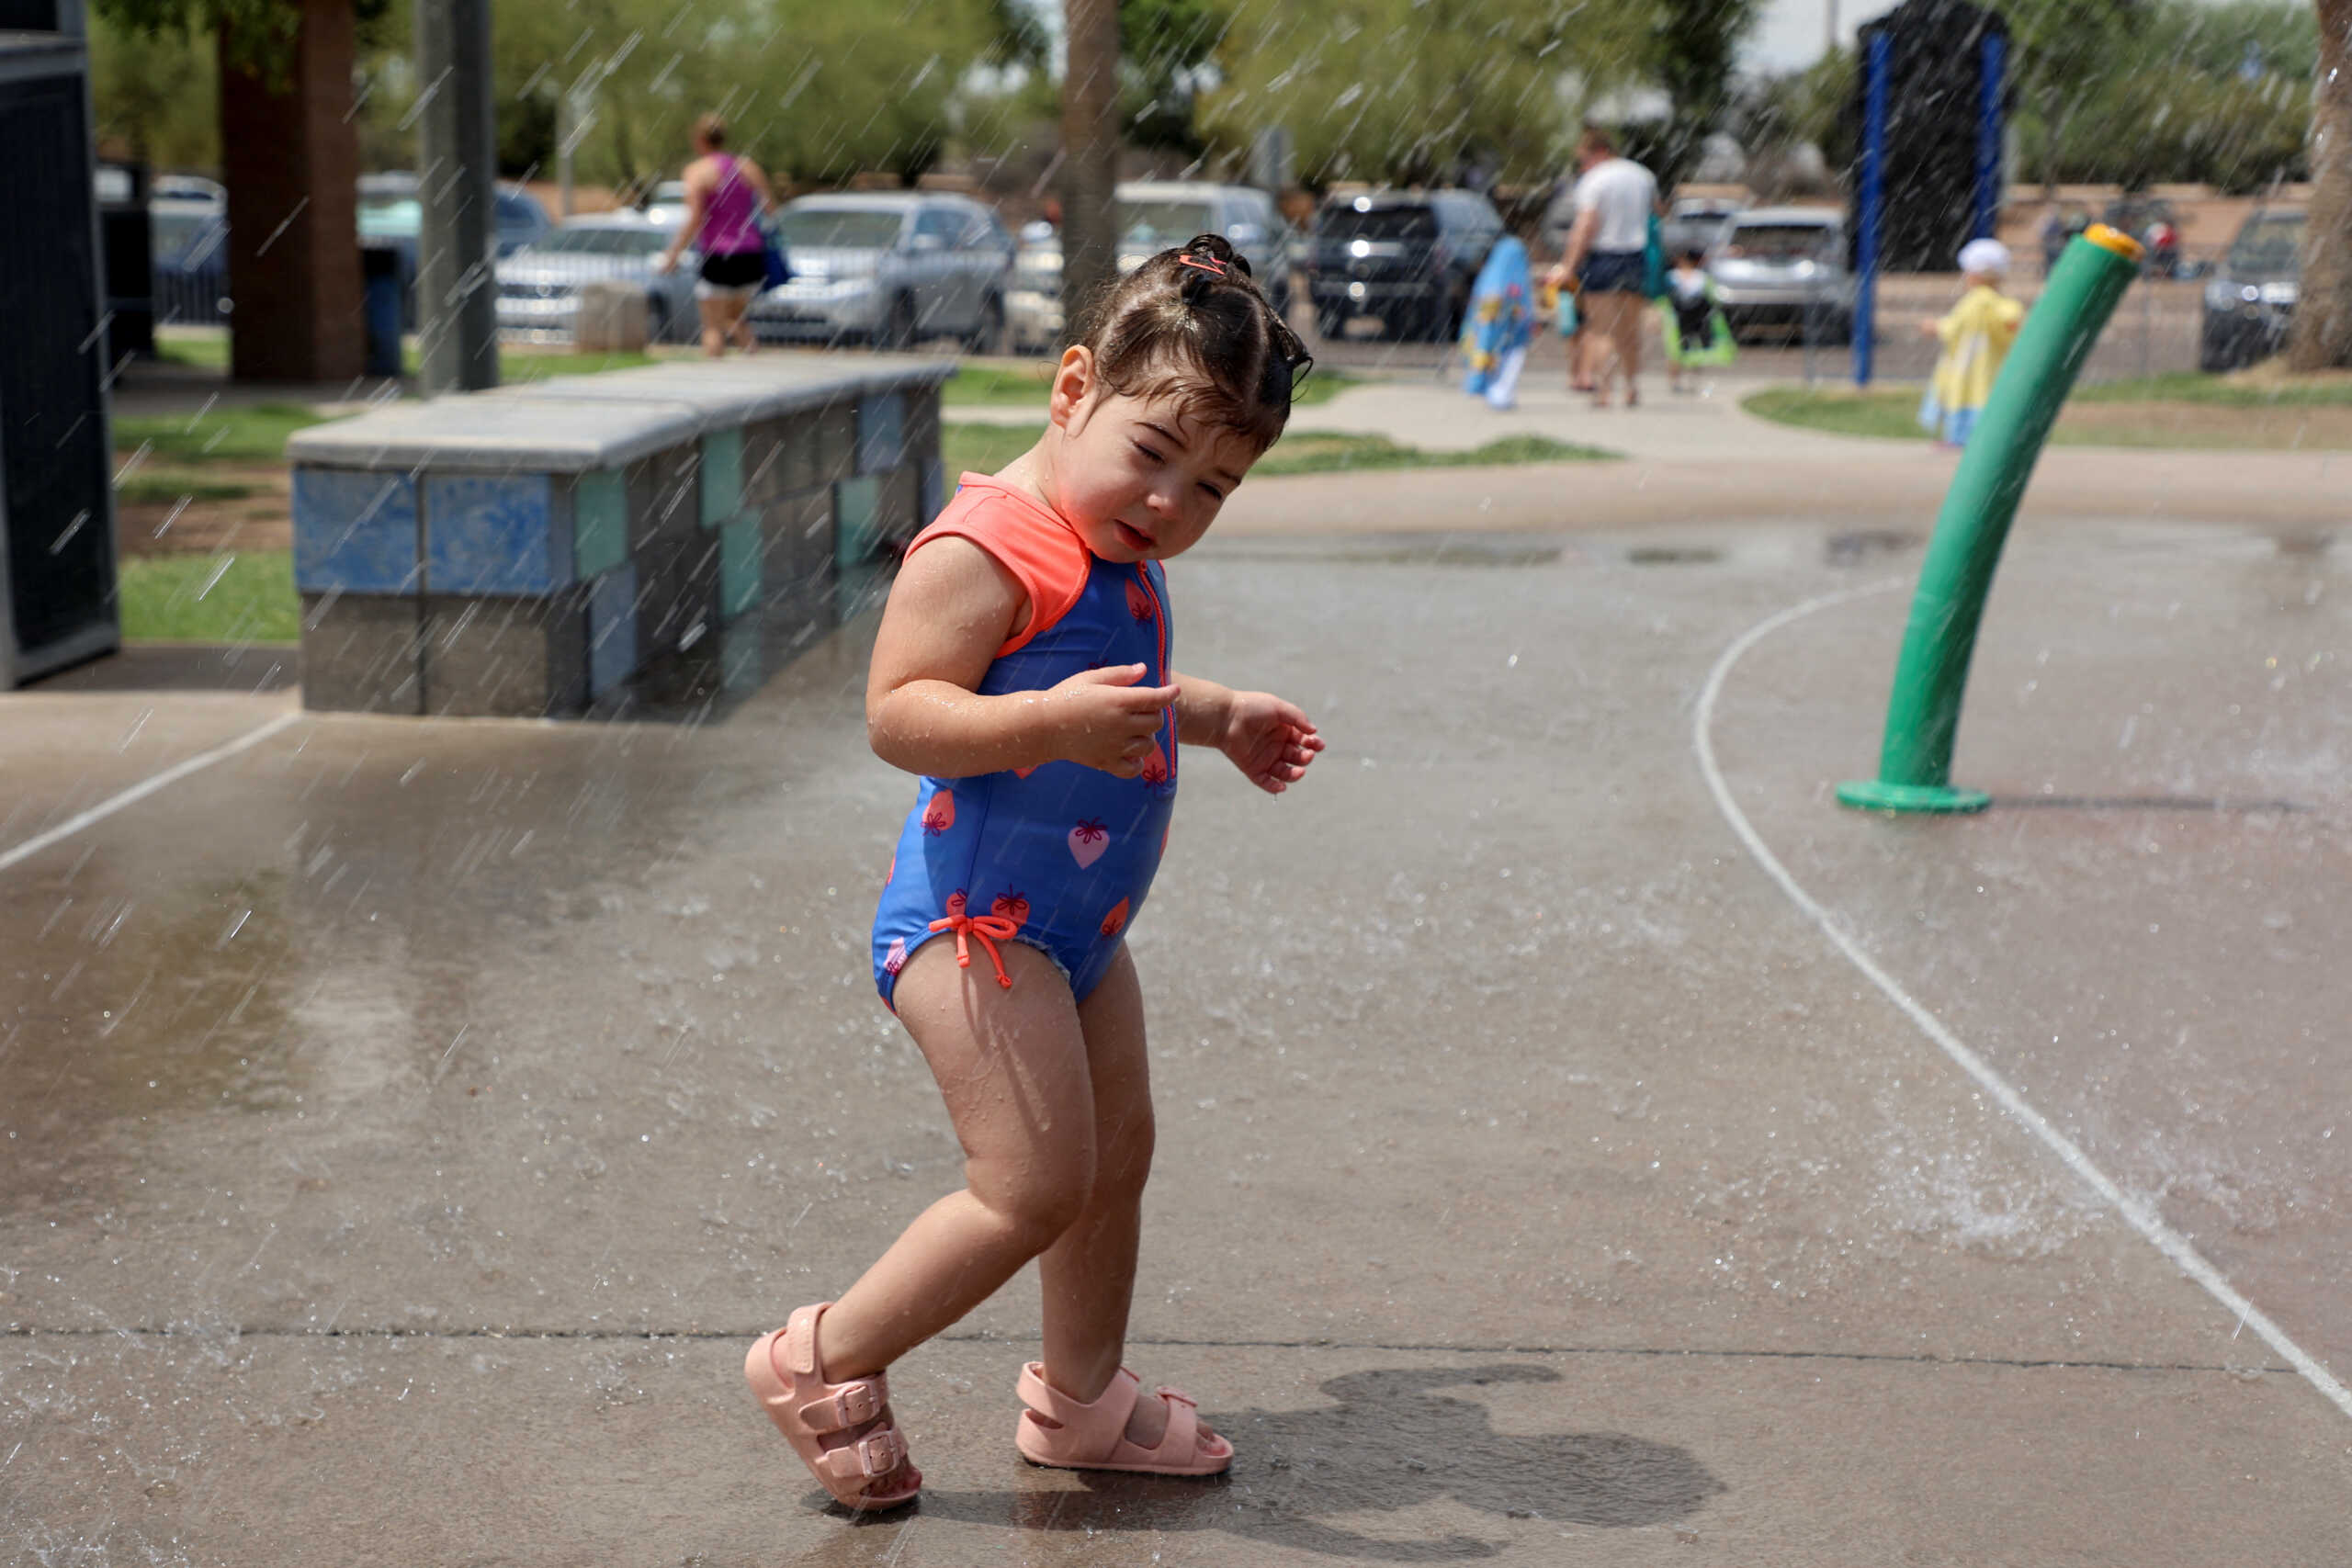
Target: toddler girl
x: 1022, y: 669
x: 1976, y: 335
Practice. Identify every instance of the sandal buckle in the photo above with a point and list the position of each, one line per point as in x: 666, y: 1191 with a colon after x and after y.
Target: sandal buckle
x: 881, y: 1453
x: 857, y: 1401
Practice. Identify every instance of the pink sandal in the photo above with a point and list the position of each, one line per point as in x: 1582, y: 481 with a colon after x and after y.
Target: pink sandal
x: 1058, y: 1431
x: 843, y: 1431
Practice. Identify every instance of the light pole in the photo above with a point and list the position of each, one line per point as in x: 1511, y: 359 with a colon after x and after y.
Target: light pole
x: 457, y: 145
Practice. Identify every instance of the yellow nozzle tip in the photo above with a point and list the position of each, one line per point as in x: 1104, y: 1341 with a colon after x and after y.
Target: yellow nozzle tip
x: 2115, y: 240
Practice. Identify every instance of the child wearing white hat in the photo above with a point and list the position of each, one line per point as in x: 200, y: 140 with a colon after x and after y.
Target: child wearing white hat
x: 1976, y: 335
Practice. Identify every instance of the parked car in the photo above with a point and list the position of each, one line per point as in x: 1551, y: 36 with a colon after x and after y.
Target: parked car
x: 190, y: 260
x: 1695, y: 224
x: 2250, y: 300
x: 665, y: 204
x: 389, y: 210
x: 391, y: 216
x: 187, y: 187
x: 1408, y: 257
x: 1785, y: 266
x: 538, y: 286
x: 888, y: 267
x: 1033, y: 305
x: 1155, y: 216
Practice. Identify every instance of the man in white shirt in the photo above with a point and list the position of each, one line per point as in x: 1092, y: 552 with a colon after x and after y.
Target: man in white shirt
x: 1607, y: 259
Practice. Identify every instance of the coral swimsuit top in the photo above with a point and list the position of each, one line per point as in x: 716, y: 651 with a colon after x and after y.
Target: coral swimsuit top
x: 1057, y: 856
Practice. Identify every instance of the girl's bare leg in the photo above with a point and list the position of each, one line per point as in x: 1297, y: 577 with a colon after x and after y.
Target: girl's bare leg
x: 739, y: 322
x: 714, y: 326
x: 1089, y: 1274
x: 1013, y: 1066
x: 1627, y: 334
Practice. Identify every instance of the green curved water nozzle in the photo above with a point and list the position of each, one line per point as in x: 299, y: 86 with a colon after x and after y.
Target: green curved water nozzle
x: 1931, y: 676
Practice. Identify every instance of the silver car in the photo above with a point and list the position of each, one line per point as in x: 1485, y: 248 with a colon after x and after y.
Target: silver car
x: 1785, y: 266
x: 889, y: 268
x: 538, y: 286
x: 1155, y: 216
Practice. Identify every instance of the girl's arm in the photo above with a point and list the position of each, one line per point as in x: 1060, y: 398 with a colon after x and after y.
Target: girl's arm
x: 1271, y: 741
x: 952, y: 607
x: 759, y: 178
x: 697, y: 202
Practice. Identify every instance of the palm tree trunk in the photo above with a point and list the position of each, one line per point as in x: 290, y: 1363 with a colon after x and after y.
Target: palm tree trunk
x: 1090, y: 157
x: 2322, y: 337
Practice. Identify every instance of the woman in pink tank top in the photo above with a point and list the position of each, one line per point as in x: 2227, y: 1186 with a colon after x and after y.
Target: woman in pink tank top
x: 725, y: 197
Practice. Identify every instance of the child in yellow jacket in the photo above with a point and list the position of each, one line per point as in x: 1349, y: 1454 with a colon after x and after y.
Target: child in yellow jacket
x: 1976, y: 337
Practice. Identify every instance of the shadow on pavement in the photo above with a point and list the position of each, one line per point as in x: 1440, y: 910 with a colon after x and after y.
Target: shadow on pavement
x: 1391, y: 1443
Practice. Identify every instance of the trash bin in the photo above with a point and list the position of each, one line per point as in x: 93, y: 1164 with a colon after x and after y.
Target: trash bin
x: 379, y: 270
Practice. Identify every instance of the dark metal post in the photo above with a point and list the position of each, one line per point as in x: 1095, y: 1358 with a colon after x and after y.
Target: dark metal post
x: 1871, y: 201
x: 457, y: 295
x: 1991, y: 89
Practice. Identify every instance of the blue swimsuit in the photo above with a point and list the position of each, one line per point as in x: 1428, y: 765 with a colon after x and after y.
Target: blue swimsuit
x: 1058, y: 856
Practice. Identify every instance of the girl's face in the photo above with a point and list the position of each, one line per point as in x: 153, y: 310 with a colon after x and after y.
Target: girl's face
x: 1138, y: 477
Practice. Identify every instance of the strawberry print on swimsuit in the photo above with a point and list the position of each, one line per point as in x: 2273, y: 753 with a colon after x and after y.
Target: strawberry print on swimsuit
x: 1056, y: 856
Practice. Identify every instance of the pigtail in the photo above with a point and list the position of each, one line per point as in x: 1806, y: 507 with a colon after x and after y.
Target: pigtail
x: 1191, y: 321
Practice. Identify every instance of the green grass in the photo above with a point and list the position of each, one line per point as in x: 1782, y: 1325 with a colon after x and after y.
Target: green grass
x: 220, y: 435
x: 1885, y: 413
x: 985, y: 449
x: 224, y: 598
x: 2191, y: 387
x: 1321, y: 452
x: 1000, y: 384
x: 203, y: 348
x: 1894, y: 412
x: 164, y: 486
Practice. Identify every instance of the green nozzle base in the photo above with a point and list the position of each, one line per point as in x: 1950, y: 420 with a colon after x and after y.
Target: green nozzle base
x: 1876, y: 795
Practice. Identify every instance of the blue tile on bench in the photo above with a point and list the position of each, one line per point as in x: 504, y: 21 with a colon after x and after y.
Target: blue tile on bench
x: 487, y: 534
x: 354, y: 532
x: 881, y: 432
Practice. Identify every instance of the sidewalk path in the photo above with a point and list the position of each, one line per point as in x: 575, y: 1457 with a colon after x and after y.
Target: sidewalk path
x: 410, y: 1121
x: 1696, y: 460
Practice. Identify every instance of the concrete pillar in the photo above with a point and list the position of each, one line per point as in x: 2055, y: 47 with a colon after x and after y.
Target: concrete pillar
x: 290, y: 159
x: 457, y: 165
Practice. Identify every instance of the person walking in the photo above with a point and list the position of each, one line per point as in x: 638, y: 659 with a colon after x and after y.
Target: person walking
x: 1607, y: 261
x: 726, y: 196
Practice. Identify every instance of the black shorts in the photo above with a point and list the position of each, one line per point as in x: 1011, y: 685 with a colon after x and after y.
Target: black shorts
x: 738, y: 269
x: 1614, y: 272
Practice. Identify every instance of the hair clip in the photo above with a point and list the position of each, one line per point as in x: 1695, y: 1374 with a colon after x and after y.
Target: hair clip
x: 1209, y: 265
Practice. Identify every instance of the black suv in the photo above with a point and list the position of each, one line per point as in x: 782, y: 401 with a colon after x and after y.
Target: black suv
x: 2250, y: 300
x: 1408, y: 257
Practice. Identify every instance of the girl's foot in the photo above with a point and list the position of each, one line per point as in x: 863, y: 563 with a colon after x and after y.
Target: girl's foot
x: 1058, y: 1431
x: 843, y: 1432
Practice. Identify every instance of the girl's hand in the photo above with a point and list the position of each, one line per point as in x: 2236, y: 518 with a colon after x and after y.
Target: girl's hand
x: 1101, y: 717
x: 1269, y: 740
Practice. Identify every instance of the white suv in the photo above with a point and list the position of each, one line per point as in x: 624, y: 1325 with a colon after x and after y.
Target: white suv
x: 889, y: 268
x: 1155, y: 216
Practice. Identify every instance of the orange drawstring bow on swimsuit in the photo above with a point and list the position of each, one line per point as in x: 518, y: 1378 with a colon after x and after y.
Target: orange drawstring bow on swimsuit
x: 990, y: 929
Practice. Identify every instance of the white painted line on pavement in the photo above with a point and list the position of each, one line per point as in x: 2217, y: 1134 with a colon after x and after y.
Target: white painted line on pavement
x: 142, y: 790
x: 2141, y: 1218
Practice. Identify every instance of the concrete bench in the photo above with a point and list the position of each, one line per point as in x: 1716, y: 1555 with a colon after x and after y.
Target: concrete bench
x: 526, y: 551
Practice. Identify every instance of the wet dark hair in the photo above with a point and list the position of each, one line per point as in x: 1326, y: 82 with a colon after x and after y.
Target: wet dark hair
x: 1190, y: 324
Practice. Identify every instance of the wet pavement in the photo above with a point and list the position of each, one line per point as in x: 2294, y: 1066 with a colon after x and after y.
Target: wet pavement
x: 408, y: 1122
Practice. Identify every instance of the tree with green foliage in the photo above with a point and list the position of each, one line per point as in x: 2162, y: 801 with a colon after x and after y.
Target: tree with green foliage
x: 1419, y: 90
x: 1165, y: 46
x: 1693, y: 49
x: 155, y: 96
